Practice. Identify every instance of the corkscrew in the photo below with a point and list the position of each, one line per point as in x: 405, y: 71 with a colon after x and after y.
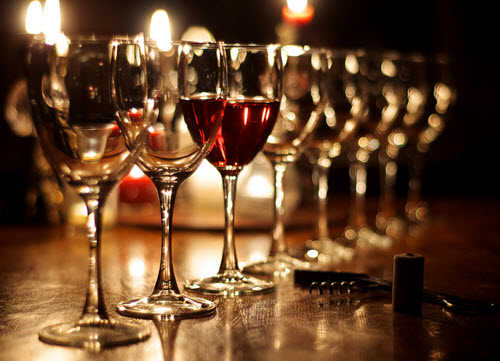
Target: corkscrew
x: 345, y: 283
x: 339, y: 288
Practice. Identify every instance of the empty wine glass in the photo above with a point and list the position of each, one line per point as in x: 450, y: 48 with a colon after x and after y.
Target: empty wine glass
x: 70, y: 92
x: 382, y: 102
x: 303, y: 101
x: 191, y: 102
x: 337, y: 126
x: 440, y: 98
x: 254, y: 93
x: 412, y: 78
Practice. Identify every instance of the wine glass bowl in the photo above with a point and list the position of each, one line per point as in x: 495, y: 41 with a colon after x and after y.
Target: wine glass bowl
x: 189, y: 98
x: 70, y: 88
x: 254, y: 93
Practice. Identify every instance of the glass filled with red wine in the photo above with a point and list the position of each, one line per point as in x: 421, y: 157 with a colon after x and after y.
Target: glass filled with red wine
x: 189, y: 82
x: 303, y: 102
x: 253, y: 102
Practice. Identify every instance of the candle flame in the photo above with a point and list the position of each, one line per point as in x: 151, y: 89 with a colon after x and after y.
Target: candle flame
x: 159, y: 30
x: 51, y: 21
x: 136, y: 172
x: 297, y: 6
x: 62, y: 44
x: 34, y: 18
x: 298, y: 12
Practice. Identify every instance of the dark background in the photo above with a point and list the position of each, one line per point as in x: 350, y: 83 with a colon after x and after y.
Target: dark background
x: 462, y: 162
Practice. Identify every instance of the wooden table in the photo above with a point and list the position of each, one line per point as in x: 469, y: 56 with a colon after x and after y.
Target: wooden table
x: 43, y: 281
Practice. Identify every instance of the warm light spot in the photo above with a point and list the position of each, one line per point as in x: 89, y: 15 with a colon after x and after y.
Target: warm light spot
x: 51, y: 21
x: 312, y: 254
x: 34, y: 18
x: 350, y: 234
x: 388, y: 68
x: 259, y: 186
x: 136, y: 172
x: 316, y: 61
x: 391, y: 168
x: 373, y: 144
x: 159, y: 30
x: 198, y: 34
x: 297, y: 6
x: 62, y: 45
x: 298, y: 12
x: 271, y: 54
x: 443, y: 95
x: 136, y: 267
x: 397, y: 138
x: 351, y: 64
x: 363, y: 142
x: 436, y: 122
x: 360, y: 187
x: 245, y: 116
x: 294, y: 50
x: 234, y: 54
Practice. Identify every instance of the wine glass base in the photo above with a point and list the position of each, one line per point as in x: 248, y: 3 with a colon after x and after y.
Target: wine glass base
x: 279, y: 266
x: 94, y: 336
x: 328, y: 250
x: 232, y: 284
x: 367, y: 238
x: 166, y: 306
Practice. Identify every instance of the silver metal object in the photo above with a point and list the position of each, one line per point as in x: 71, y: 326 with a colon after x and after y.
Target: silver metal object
x: 330, y: 281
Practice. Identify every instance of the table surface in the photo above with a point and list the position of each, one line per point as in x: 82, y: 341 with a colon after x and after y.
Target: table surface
x: 43, y: 275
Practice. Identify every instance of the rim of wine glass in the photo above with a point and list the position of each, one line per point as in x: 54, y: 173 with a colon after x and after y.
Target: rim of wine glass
x: 252, y: 45
x: 92, y: 38
x: 207, y: 44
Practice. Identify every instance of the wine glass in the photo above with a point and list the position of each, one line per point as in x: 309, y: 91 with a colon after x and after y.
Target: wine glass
x: 412, y: 77
x: 254, y: 93
x: 192, y: 79
x: 70, y: 92
x: 303, y: 101
x: 440, y: 98
x: 381, y: 94
x: 338, y: 125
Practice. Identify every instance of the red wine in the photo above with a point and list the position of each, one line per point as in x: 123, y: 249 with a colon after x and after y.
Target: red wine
x: 245, y: 127
x: 202, y: 116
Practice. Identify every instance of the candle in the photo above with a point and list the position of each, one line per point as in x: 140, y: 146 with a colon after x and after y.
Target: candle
x: 135, y: 115
x: 298, y: 12
x: 136, y: 187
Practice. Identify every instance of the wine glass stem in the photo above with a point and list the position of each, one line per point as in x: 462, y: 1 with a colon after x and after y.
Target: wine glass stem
x: 357, y: 174
x: 388, y: 172
x: 229, y: 261
x: 278, y: 245
x: 416, y: 160
x: 166, y: 280
x: 95, y: 309
x: 320, y: 178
